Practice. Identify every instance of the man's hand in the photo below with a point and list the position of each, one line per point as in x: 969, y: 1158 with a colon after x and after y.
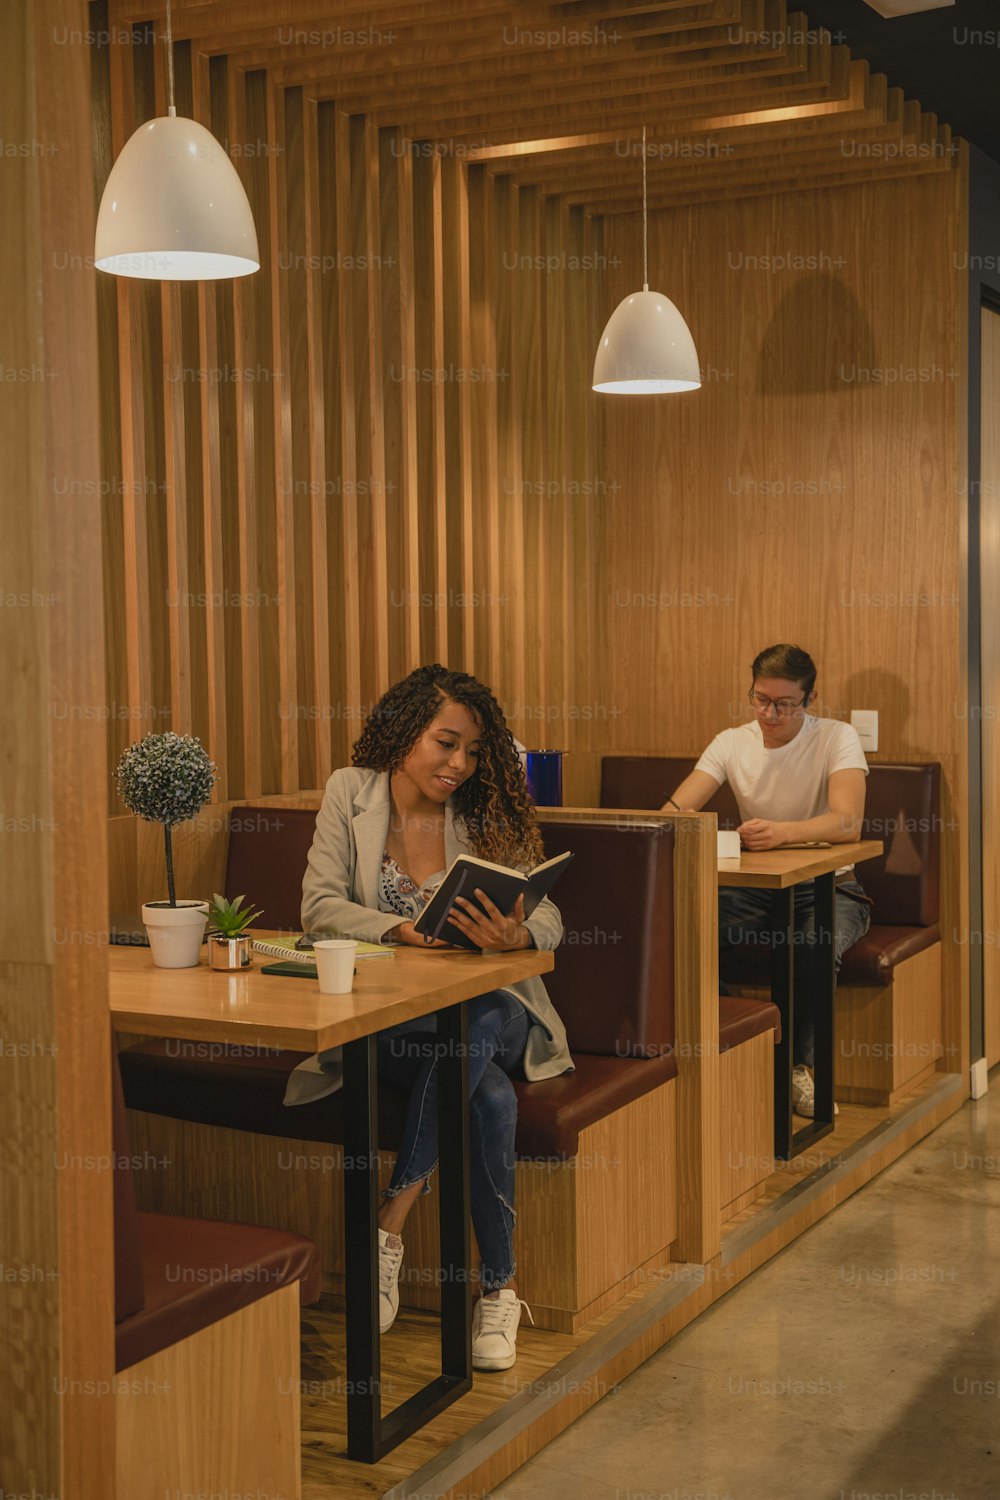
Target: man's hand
x: 494, y: 931
x: 760, y: 833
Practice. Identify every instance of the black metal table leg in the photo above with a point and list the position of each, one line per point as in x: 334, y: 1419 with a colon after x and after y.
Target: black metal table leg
x: 364, y: 1386
x: 823, y: 1001
x: 455, y: 1195
x: 782, y: 993
x: 369, y: 1434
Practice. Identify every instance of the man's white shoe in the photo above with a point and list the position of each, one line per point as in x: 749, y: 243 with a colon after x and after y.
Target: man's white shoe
x: 804, y: 1093
x: 494, y: 1330
x: 390, y: 1258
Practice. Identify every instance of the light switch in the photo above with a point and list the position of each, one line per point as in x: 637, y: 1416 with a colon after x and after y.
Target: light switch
x: 865, y: 721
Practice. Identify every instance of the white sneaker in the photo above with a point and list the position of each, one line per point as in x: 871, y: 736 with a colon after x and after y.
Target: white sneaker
x: 390, y: 1258
x: 494, y: 1330
x: 804, y: 1092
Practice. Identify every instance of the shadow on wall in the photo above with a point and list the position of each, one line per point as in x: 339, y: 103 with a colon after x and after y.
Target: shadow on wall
x: 839, y: 340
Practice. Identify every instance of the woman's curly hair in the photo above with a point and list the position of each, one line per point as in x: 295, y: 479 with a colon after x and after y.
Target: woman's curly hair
x: 494, y: 805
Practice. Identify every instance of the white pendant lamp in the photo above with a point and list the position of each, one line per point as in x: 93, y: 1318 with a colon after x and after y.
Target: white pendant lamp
x: 174, y: 208
x: 646, y: 348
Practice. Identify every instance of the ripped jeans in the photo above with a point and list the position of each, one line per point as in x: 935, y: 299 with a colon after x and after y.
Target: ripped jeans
x: 407, y: 1059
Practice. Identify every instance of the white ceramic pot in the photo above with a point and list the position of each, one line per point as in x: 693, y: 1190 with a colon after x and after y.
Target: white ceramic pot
x: 175, y: 932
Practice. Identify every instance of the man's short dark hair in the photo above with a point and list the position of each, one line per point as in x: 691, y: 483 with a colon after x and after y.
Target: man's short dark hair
x: 789, y: 662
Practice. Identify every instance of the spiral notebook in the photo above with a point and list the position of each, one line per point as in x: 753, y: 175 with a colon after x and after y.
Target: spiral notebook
x: 285, y: 949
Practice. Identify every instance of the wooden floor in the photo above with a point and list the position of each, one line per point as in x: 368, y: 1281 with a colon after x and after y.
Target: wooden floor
x: 411, y: 1357
x: 860, y: 1146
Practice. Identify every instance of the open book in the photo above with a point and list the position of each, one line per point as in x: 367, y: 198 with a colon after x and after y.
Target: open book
x: 502, y: 885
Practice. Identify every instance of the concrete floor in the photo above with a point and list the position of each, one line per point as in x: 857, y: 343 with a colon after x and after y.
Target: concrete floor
x: 862, y: 1363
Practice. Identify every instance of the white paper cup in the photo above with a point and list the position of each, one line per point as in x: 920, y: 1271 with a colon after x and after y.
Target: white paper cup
x: 335, y: 965
x: 729, y: 844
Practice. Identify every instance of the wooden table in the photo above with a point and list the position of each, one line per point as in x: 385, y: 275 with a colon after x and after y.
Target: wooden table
x: 252, y: 1008
x: 779, y: 871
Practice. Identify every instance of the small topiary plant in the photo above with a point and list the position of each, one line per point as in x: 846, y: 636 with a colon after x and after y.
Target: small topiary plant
x: 229, y: 918
x: 166, y: 778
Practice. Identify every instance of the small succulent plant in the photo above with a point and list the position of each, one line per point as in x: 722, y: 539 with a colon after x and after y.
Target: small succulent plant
x: 229, y: 918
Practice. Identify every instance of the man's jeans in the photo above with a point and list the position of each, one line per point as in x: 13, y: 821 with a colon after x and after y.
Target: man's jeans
x: 745, y: 919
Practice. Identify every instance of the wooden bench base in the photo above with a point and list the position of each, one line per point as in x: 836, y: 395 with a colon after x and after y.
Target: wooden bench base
x: 747, y: 1133
x: 889, y: 1036
x: 586, y: 1228
x: 216, y: 1413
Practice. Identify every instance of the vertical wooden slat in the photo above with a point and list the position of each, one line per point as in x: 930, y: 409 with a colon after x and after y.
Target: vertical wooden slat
x: 135, y: 583
x: 510, y: 500
x: 290, y: 414
x: 348, y: 565
x: 407, y: 510
x: 370, y: 396
x: 453, y: 376
x: 293, y: 443
x: 530, y: 394
x: 318, y: 686
x: 430, y: 403
x: 216, y: 614
x: 251, y: 481
x: 489, y: 653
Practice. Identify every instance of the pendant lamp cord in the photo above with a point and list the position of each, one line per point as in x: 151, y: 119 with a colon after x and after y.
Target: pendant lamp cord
x: 645, y: 268
x: 170, y: 65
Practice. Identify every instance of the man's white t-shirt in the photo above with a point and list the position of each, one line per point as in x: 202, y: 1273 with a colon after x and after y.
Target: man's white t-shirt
x: 789, y: 783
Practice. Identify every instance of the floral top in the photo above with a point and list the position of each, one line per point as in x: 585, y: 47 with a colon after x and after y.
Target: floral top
x: 397, y: 892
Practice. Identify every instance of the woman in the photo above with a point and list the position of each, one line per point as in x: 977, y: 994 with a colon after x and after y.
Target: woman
x: 436, y: 774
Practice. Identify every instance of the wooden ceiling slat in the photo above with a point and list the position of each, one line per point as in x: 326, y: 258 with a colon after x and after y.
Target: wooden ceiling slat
x: 480, y: 135
x: 802, y: 72
x: 741, y: 96
x: 427, y: 51
x: 911, y: 150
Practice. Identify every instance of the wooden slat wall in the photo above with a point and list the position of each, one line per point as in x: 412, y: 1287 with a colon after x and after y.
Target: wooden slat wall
x: 338, y: 468
x: 56, y: 1241
x: 795, y: 497
x: 989, y: 492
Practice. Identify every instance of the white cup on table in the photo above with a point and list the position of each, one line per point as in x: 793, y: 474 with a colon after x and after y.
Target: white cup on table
x: 335, y: 965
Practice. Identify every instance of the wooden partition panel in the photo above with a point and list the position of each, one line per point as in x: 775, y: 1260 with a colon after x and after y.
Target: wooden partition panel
x: 990, y: 564
x: 56, y: 1291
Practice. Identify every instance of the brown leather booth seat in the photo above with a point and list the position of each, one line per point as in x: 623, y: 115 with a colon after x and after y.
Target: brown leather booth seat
x: 175, y: 1276
x: 740, y: 1020
x: 612, y: 985
x: 246, y: 1094
x: 902, y: 808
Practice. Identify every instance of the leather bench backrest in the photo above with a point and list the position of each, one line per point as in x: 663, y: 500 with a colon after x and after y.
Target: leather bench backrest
x: 902, y: 808
x: 613, y: 983
x: 268, y: 850
x: 652, y: 778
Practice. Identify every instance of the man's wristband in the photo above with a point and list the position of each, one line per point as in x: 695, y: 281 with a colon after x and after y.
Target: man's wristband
x: 674, y: 804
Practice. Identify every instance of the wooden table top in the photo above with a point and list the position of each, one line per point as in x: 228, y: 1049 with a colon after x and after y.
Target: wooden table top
x: 251, y: 1007
x: 775, y: 869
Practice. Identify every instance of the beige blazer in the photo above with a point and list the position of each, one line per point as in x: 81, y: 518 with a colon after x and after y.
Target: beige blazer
x: 340, y: 895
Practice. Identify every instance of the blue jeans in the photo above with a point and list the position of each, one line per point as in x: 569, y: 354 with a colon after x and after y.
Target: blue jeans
x: 745, y: 919
x: 407, y: 1058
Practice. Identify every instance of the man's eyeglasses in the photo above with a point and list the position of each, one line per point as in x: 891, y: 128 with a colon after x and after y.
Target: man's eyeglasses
x: 782, y: 706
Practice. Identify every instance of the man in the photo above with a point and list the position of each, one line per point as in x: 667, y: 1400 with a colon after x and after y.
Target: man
x: 797, y: 779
